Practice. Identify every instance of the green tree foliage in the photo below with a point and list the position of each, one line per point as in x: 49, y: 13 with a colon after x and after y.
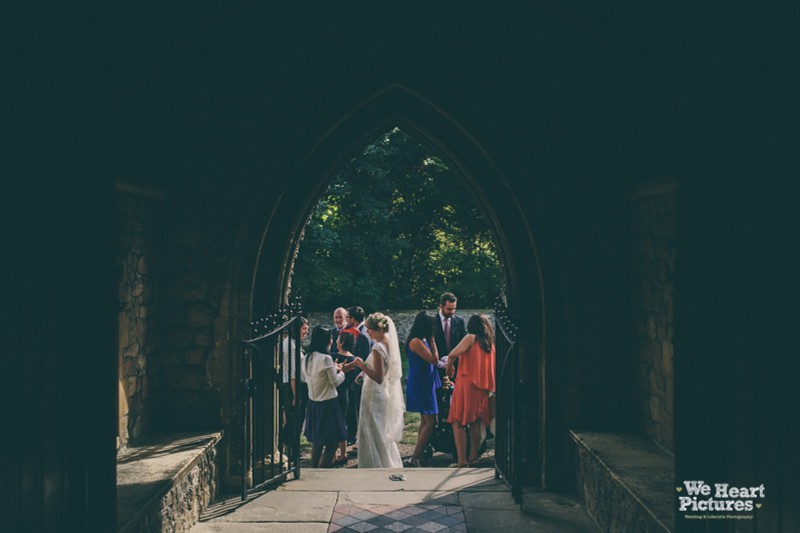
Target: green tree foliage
x: 395, y: 229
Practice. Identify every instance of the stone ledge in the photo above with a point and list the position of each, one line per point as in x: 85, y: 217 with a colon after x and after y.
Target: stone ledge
x: 551, y: 512
x: 626, y: 483
x: 165, y: 484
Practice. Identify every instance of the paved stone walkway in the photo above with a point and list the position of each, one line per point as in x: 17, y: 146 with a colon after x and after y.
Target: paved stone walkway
x: 427, y: 500
x: 394, y: 518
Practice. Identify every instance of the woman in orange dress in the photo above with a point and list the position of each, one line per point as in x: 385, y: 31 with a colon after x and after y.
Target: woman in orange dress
x: 474, y: 382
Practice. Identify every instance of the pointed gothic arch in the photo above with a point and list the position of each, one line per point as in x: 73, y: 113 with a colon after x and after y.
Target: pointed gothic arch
x: 268, y: 241
x: 327, y: 146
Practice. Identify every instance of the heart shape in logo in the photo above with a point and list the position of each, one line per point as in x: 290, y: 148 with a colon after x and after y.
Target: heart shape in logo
x: 679, y: 489
x: 758, y: 505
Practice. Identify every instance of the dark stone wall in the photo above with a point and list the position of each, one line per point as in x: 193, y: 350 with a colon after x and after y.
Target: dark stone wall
x: 139, y: 217
x: 655, y: 224
x: 197, y: 251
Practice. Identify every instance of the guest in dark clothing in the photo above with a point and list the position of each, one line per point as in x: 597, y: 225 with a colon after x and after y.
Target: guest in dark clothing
x: 292, y: 393
x: 355, y: 325
x: 354, y: 319
x: 449, y: 328
x: 339, y: 324
x: 345, y: 343
x: 324, y: 426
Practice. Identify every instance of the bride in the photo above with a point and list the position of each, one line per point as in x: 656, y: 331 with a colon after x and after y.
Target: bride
x: 380, y: 425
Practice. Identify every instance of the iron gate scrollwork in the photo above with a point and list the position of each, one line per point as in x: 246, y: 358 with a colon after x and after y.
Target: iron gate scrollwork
x: 272, y: 421
x: 508, y: 455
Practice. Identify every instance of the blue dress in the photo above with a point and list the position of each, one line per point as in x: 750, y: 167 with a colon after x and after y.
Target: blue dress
x: 423, y: 380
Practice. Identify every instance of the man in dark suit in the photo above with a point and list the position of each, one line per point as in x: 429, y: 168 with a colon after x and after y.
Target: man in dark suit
x: 448, y: 332
x: 354, y: 319
x: 338, y: 325
x: 450, y: 329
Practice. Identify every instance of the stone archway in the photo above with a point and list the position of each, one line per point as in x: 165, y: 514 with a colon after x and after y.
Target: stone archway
x: 264, y: 262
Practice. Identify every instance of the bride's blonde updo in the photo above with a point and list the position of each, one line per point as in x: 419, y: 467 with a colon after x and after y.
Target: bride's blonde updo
x: 377, y: 322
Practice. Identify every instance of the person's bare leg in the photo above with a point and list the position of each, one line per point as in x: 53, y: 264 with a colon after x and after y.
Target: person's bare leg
x: 460, y: 438
x: 475, y: 439
x: 343, y: 451
x: 427, y: 424
x: 327, y: 456
x: 316, y: 454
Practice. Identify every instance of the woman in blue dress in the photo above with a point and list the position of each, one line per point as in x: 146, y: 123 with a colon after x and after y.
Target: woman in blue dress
x: 423, y: 380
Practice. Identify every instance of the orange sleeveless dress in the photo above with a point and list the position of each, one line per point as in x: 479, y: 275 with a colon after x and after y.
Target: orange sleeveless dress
x: 474, y: 380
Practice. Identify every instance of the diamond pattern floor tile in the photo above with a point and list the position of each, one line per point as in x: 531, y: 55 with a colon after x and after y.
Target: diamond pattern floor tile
x: 363, y: 527
x: 422, y: 518
x: 398, y: 526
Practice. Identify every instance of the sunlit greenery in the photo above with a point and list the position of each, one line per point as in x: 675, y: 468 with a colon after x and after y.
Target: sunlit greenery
x: 395, y: 229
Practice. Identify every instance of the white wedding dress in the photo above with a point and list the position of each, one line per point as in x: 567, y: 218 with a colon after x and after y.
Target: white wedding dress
x: 380, y: 423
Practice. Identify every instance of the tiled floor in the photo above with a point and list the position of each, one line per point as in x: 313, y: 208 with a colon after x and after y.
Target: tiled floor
x: 420, y: 518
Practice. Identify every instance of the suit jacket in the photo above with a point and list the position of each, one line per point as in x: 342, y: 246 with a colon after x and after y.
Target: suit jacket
x: 458, y: 330
x: 364, y: 343
x: 334, y: 338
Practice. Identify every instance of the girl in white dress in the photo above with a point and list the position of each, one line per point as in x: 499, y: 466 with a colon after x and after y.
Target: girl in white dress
x: 380, y: 425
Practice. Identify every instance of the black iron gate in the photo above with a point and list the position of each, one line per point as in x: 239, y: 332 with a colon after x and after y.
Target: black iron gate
x: 271, y: 423
x: 508, y: 453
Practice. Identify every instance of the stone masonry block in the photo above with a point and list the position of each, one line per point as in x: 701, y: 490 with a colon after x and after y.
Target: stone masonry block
x: 188, y: 290
x: 203, y: 338
x: 195, y: 356
x: 184, y: 378
x: 177, y: 338
x: 200, y: 316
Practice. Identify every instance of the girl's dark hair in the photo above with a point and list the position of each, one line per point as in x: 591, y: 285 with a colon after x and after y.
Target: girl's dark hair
x: 422, y: 327
x: 297, y: 324
x: 480, y: 326
x: 320, y: 341
x: 347, y: 339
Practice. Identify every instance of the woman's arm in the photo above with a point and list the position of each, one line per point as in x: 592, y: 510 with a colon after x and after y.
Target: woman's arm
x: 419, y: 348
x: 377, y: 374
x: 465, y: 344
x: 333, y: 375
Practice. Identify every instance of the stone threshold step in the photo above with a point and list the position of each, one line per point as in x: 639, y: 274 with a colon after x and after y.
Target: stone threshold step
x: 624, y: 479
x: 166, y: 481
x: 552, y: 512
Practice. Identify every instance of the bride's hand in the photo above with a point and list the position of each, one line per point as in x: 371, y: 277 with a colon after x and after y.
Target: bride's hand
x: 358, y: 362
